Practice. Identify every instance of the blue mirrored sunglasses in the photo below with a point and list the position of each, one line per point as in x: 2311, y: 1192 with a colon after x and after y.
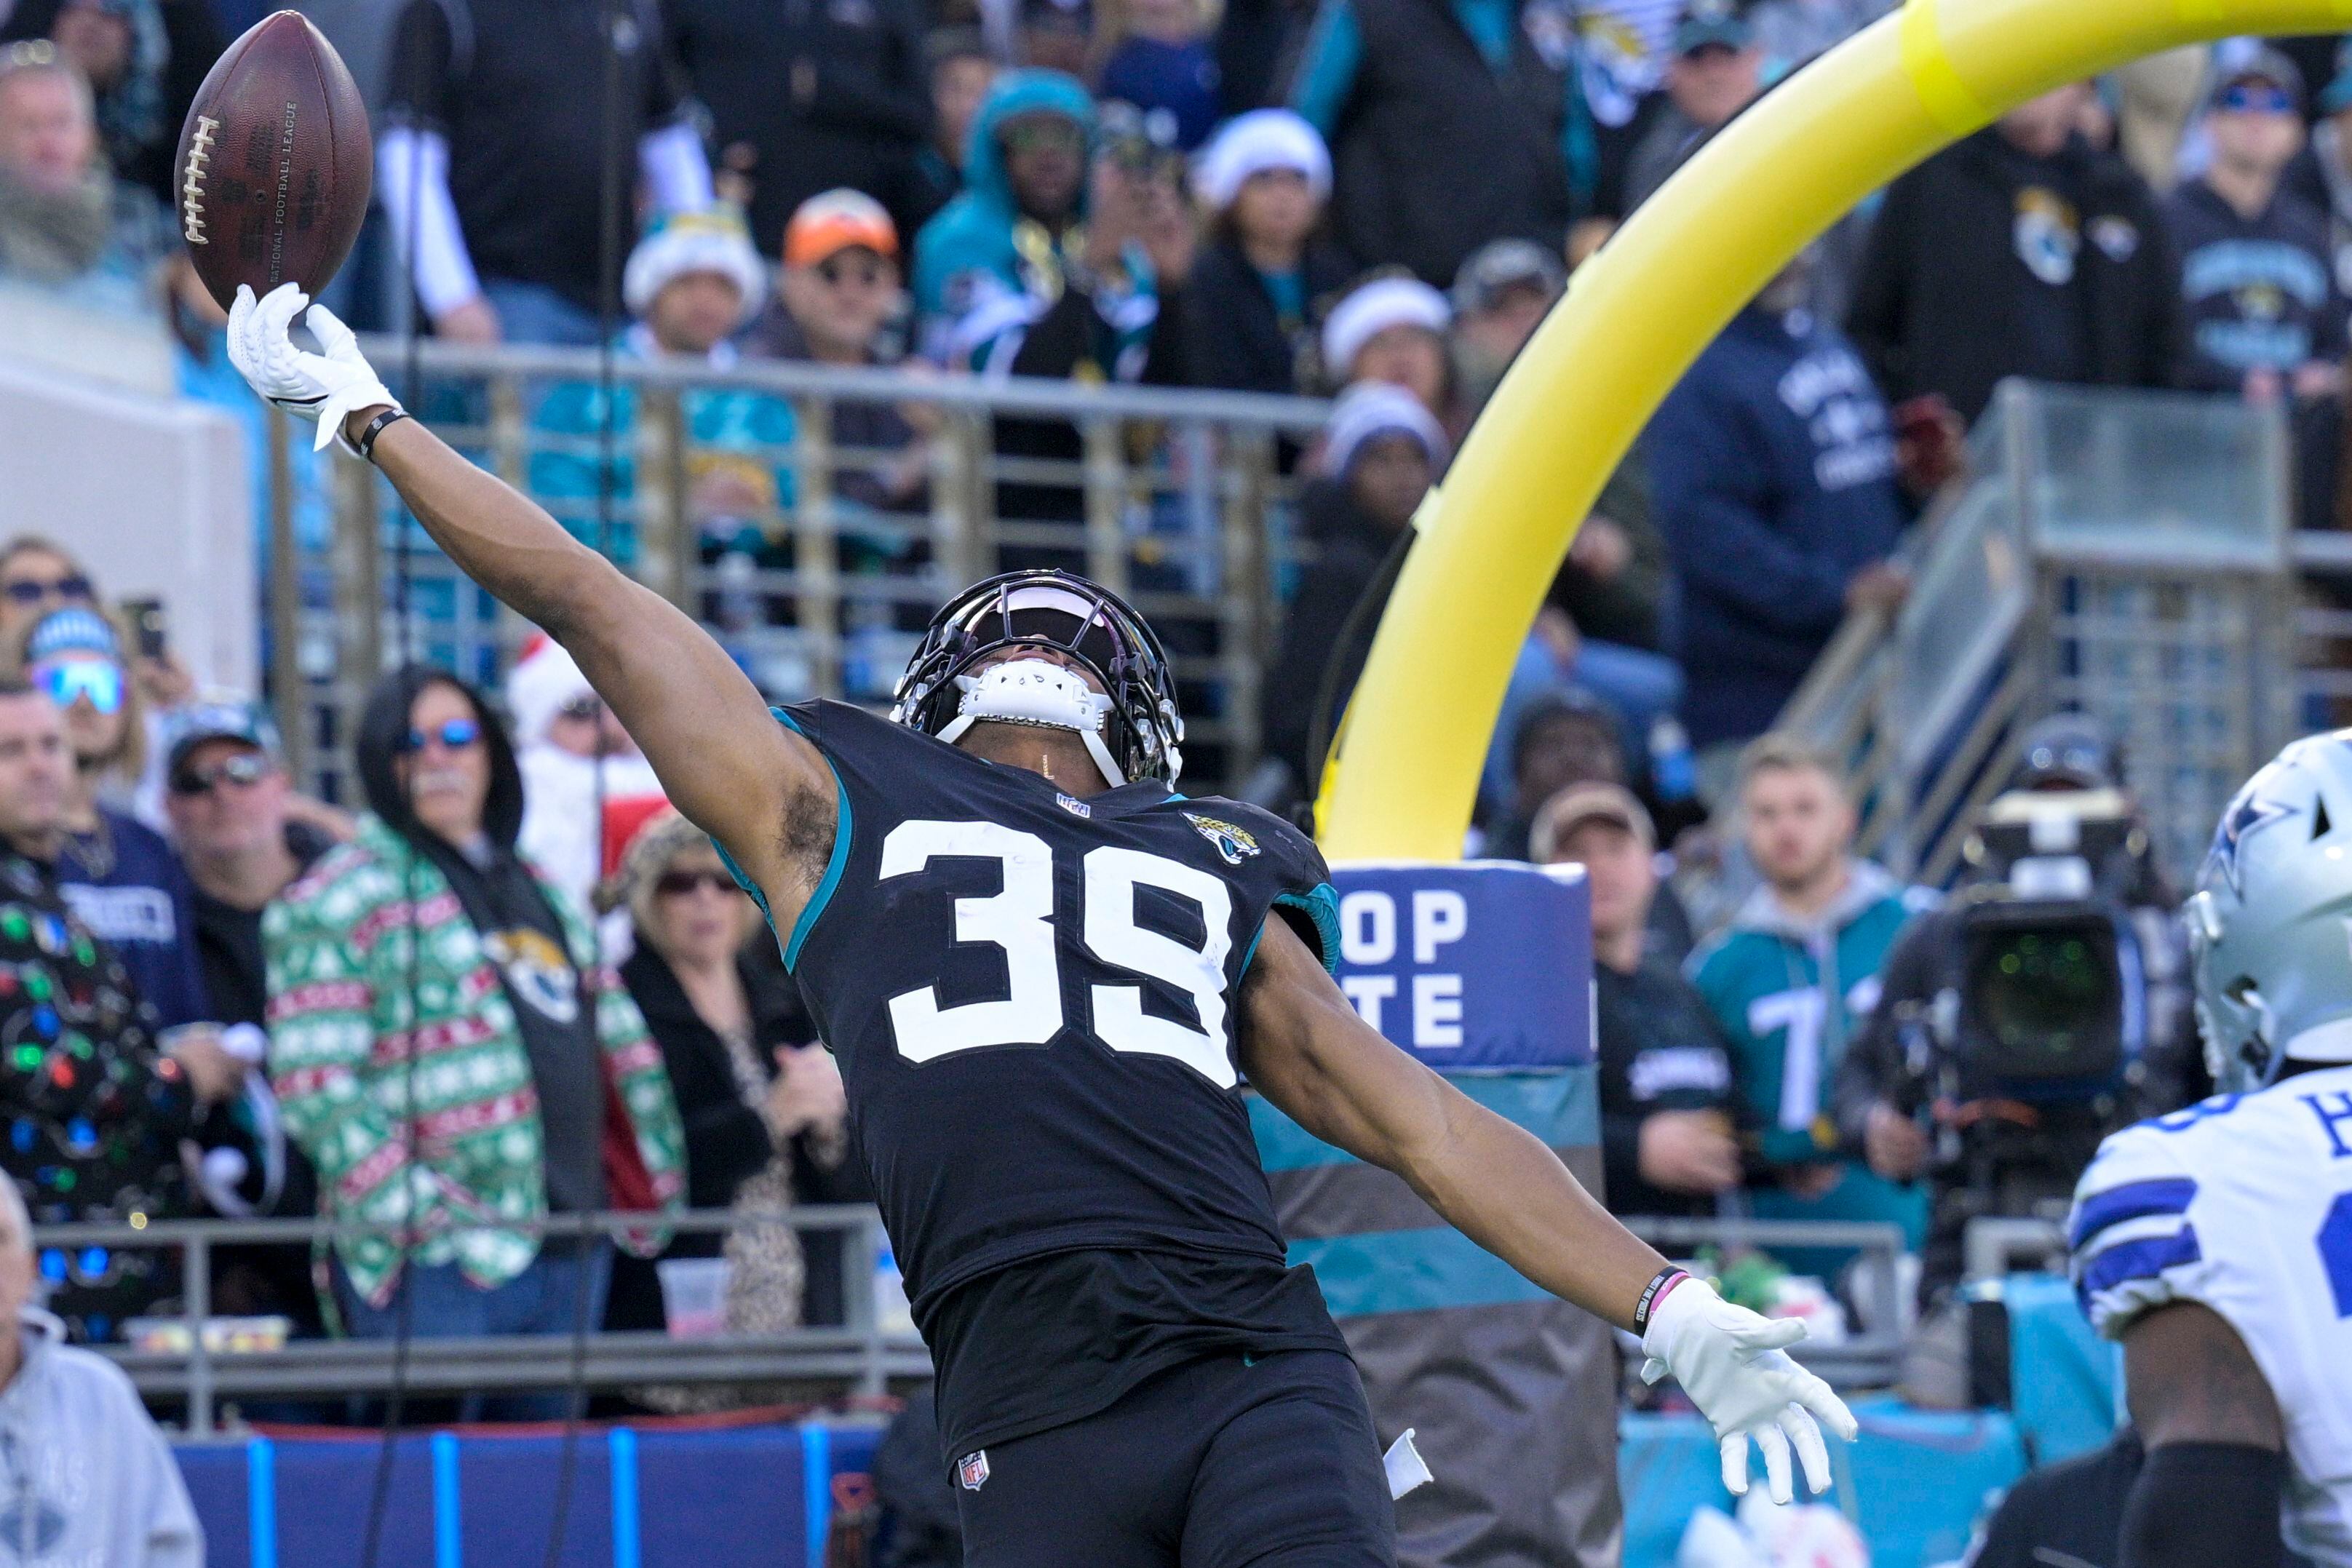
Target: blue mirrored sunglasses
x: 2244, y: 97
x: 98, y: 681
x: 456, y: 735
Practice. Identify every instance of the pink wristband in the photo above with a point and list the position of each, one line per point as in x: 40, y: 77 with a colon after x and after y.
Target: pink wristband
x: 1659, y: 1288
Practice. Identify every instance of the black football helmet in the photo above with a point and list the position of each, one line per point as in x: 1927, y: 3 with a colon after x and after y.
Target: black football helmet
x: 1141, y: 733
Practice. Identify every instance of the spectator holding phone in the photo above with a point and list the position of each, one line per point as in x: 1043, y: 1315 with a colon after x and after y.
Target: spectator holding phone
x: 1063, y: 258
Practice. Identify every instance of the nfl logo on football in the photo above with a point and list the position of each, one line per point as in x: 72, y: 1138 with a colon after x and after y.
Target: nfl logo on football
x: 973, y: 1470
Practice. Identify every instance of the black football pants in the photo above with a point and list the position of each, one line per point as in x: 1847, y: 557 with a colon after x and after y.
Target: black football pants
x: 1220, y: 1463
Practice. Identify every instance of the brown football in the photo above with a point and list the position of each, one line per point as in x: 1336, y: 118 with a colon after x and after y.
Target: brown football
x: 275, y: 163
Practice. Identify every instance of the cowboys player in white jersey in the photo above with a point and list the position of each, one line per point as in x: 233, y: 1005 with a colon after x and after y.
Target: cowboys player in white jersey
x: 2216, y: 1242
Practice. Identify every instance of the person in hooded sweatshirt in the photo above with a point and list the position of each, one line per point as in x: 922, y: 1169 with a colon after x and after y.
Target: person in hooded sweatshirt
x: 1793, y: 979
x: 1774, y: 471
x: 85, y: 1478
x: 1054, y: 260
x: 2020, y: 251
x: 536, y: 1091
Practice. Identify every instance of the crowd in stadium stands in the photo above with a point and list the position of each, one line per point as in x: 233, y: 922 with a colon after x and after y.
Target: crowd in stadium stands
x: 1374, y: 200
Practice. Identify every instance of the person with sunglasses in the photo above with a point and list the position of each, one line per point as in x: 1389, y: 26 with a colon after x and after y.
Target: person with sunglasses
x: 2266, y: 312
x: 535, y: 1084
x: 36, y: 576
x: 122, y: 876
x: 762, y: 1102
x: 231, y: 807
x: 840, y: 302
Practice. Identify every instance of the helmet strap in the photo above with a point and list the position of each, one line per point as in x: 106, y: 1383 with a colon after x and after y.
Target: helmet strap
x: 1040, y: 693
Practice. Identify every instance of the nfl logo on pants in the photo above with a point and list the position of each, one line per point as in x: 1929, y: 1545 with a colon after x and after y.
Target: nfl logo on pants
x: 973, y: 1470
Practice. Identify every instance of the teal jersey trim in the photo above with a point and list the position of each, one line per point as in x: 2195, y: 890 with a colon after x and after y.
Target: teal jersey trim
x: 1322, y: 907
x: 1562, y: 1108
x: 1411, y: 1271
x: 833, y: 869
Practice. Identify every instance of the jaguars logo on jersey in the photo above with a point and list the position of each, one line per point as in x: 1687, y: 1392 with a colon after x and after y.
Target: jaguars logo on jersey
x: 1236, y: 844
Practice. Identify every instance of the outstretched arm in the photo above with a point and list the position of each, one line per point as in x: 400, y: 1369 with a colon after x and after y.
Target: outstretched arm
x: 1306, y: 1049
x: 2210, y: 1490
x: 762, y: 792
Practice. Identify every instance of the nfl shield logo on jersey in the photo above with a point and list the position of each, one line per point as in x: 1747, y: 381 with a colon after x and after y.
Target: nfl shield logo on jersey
x: 973, y: 1470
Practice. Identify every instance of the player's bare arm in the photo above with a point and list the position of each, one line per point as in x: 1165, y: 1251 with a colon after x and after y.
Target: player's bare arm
x: 2210, y: 1490
x: 1305, y: 1048
x: 753, y: 785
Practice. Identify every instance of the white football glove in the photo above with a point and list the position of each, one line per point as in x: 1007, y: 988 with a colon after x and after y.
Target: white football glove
x: 326, y: 388
x: 1732, y: 1363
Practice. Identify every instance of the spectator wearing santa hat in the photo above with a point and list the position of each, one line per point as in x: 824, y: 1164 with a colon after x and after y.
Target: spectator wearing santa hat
x: 572, y: 826
x: 1381, y: 450
x: 1258, y: 284
x: 1393, y: 329
x: 692, y: 283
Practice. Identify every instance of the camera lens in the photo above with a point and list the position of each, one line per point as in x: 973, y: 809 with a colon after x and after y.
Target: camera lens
x: 2045, y: 996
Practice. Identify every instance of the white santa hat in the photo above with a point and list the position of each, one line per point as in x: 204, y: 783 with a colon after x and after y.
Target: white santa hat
x: 1254, y: 143
x: 543, y: 679
x: 1383, y: 303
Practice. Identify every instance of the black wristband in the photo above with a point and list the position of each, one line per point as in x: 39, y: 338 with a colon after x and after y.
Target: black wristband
x: 1657, y: 1287
x: 375, y: 427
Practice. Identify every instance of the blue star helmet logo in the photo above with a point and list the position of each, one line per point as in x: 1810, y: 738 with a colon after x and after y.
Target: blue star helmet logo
x: 2248, y: 813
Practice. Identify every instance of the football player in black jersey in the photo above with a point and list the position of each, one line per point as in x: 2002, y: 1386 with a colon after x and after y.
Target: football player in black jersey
x: 1045, y: 974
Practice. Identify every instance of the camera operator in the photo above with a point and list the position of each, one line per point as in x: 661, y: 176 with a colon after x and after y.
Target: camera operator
x: 2039, y: 1009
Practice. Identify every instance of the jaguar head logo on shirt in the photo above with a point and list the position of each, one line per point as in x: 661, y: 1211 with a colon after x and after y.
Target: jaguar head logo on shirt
x: 1236, y: 844
x: 2048, y: 234
x: 537, y: 971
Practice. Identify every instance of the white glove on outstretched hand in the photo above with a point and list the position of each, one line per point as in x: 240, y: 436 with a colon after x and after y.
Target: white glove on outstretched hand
x: 328, y: 388
x: 1732, y: 1363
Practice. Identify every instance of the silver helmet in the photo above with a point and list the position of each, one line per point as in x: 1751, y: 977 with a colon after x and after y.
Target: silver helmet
x: 2269, y: 926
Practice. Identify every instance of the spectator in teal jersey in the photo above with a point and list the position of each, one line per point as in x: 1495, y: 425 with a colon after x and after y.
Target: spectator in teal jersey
x: 1060, y: 259
x: 1451, y: 122
x: 1792, y: 982
x: 691, y: 283
x: 1053, y: 261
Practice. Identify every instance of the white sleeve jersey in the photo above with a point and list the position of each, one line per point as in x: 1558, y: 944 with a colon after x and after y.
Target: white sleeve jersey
x: 2244, y: 1203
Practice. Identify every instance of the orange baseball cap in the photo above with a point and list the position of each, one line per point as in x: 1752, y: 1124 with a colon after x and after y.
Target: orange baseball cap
x: 833, y: 221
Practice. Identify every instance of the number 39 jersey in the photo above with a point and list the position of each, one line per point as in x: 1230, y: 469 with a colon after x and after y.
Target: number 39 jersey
x: 1033, y: 998
x: 2244, y: 1203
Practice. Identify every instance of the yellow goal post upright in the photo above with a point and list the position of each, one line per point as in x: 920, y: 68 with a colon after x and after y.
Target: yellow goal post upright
x: 1636, y: 316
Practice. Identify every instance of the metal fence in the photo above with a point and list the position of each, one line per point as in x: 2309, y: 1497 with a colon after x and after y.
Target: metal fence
x: 812, y: 517
x: 864, y: 1355
x: 2128, y: 554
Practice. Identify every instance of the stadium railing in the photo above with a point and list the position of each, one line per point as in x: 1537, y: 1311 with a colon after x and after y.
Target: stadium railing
x: 814, y: 561
x: 862, y: 1355
x: 205, y: 1379
x: 2127, y: 553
